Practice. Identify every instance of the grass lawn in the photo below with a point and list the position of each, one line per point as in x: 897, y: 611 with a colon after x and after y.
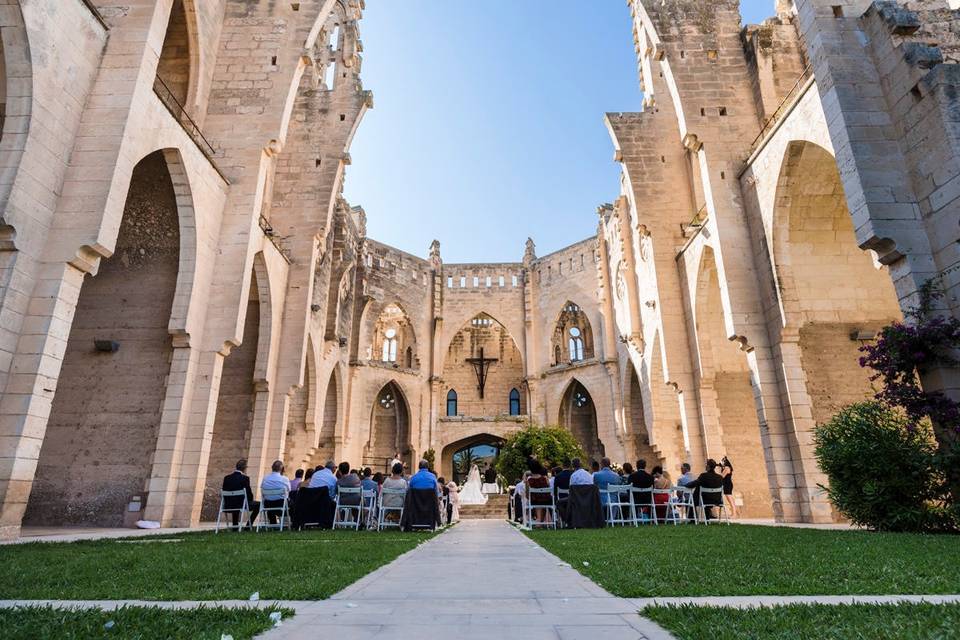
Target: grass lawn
x: 134, y: 623
x: 825, y: 622
x: 199, y: 566
x: 752, y: 560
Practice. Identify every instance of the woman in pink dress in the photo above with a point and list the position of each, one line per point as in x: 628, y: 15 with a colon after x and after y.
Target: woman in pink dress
x: 454, y: 501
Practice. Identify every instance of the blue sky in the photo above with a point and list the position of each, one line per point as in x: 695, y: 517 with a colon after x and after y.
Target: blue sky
x: 488, y: 121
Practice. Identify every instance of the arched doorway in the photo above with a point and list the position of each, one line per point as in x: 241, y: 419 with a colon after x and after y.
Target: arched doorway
x: 578, y: 414
x: 456, y: 458
x: 389, y: 429
x: 100, y: 440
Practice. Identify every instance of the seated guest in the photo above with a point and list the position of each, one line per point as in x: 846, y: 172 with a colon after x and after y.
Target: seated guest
x: 594, y: 466
x: 297, y: 480
x: 604, y: 478
x: 661, y: 480
x: 274, y: 480
x: 538, y: 480
x: 367, y: 482
x: 561, y: 478
x: 579, y: 475
x: 240, y: 481
x: 348, y: 480
x: 686, y: 476
x: 394, y: 482
x: 378, y: 480
x: 554, y: 472
x: 306, y: 477
x: 424, y: 478
x: 640, y: 478
x: 324, y: 477
x: 709, y: 479
x: 627, y: 472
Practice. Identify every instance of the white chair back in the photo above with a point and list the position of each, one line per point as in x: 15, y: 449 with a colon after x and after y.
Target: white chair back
x: 386, y: 505
x: 346, y: 505
x: 245, y: 508
x: 273, y: 495
x: 717, y: 503
x: 546, y: 505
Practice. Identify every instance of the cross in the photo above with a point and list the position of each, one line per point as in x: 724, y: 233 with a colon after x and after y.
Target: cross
x: 481, y: 365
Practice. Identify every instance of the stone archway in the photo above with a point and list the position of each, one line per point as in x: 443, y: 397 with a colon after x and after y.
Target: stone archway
x: 98, y: 450
x: 578, y: 414
x: 481, y: 445
x: 726, y: 391
x: 831, y: 291
x: 389, y: 429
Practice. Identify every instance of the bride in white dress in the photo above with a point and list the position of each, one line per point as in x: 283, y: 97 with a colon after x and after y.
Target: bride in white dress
x: 471, y: 492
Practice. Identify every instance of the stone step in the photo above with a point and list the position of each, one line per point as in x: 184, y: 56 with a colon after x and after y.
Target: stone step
x: 495, y: 509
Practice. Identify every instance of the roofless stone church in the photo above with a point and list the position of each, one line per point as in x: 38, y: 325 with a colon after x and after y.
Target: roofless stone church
x: 182, y: 283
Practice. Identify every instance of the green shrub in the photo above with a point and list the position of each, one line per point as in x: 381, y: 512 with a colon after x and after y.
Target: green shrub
x: 550, y: 445
x: 882, y: 469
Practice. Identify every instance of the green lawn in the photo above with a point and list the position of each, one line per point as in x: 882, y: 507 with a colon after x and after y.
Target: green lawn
x: 199, y: 566
x: 134, y: 623
x: 752, y: 560
x: 824, y: 622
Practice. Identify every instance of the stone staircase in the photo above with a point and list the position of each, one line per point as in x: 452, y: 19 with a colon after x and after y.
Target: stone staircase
x: 495, y: 509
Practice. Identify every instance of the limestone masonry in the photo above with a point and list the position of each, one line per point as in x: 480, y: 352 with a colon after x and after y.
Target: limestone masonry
x: 182, y: 283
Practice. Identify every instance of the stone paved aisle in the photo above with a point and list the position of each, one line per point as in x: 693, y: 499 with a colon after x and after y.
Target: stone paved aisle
x: 481, y: 579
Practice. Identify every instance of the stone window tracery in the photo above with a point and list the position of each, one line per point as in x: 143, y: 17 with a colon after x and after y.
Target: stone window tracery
x: 572, y: 336
x: 393, y: 338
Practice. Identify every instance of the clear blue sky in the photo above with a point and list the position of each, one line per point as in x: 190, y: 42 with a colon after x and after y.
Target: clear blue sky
x: 488, y: 121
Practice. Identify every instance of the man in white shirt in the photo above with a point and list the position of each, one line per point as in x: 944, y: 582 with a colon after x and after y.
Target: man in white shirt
x: 580, y: 475
x: 273, y: 481
x: 326, y: 478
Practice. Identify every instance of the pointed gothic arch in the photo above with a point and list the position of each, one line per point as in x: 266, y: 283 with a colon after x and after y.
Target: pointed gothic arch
x: 578, y: 414
x: 389, y: 427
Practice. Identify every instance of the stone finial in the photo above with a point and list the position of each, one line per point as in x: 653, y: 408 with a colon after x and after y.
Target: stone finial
x: 435, y: 259
x: 530, y: 254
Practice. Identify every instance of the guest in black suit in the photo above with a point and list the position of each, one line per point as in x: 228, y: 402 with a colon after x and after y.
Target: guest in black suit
x: 640, y: 478
x: 490, y: 475
x: 236, y: 481
x: 709, y: 479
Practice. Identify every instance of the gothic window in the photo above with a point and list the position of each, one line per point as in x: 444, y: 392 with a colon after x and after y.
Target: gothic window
x: 572, y: 337
x: 451, y: 403
x: 576, y: 345
x: 514, y: 402
x: 501, y: 281
x: 390, y: 345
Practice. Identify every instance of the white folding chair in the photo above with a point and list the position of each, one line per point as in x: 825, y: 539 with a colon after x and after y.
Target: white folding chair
x: 243, y: 510
x: 347, y: 507
x: 444, y: 501
x: 563, y: 495
x: 669, y: 512
x: 273, y: 495
x: 368, y: 500
x: 383, y: 509
x: 683, y: 501
x: 618, y: 507
x: 548, y: 507
x: 720, y: 504
x: 641, y: 505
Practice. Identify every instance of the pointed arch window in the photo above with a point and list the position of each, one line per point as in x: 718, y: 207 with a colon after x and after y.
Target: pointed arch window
x: 576, y: 345
x: 514, y: 402
x: 451, y: 403
x: 390, y: 346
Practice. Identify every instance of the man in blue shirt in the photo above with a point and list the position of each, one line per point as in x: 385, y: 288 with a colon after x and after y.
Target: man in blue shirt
x: 604, y: 478
x: 326, y: 478
x: 424, y: 479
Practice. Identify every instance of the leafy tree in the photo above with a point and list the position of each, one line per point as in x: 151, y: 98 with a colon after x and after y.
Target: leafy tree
x: 431, y: 457
x: 548, y: 444
x: 882, y: 467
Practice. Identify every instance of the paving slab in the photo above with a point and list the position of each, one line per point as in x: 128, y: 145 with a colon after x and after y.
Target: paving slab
x: 479, y: 579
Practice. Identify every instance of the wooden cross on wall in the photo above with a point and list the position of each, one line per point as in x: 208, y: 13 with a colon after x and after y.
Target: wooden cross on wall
x: 481, y: 365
